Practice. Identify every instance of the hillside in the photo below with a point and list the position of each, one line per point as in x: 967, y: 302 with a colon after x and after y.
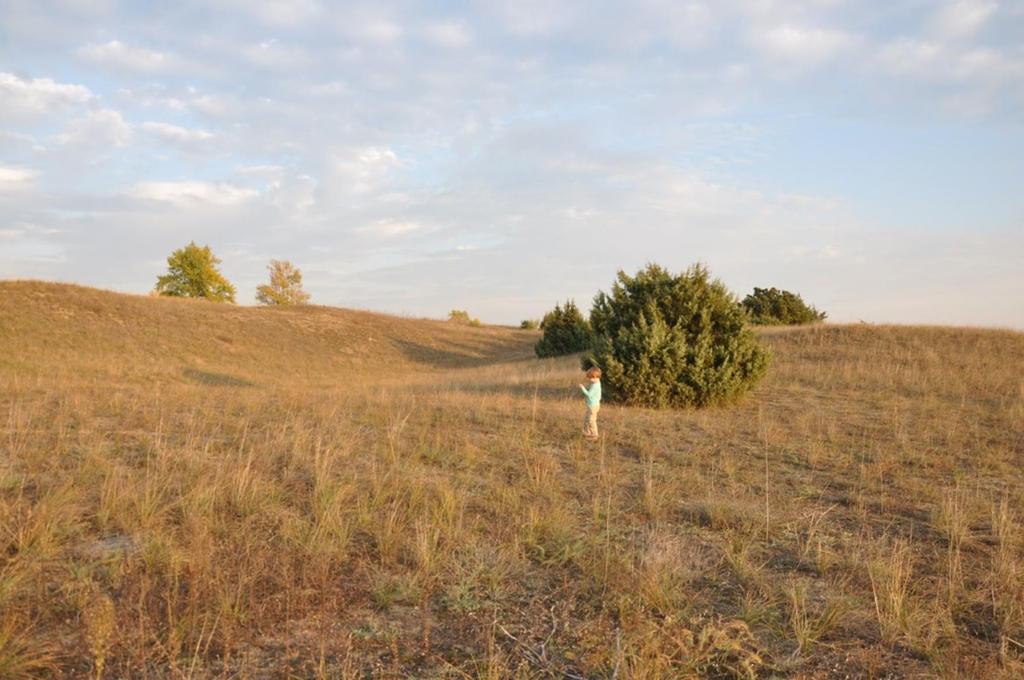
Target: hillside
x: 47, y: 326
x: 193, y: 490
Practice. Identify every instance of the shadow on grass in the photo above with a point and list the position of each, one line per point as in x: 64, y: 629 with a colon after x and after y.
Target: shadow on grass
x: 215, y: 379
x: 460, y: 355
x: 528, y: 390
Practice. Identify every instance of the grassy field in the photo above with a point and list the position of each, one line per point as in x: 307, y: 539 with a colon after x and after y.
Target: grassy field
x: 194, y: 491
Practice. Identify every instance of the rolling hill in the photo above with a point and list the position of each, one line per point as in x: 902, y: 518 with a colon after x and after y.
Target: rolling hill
x: 198, y: 490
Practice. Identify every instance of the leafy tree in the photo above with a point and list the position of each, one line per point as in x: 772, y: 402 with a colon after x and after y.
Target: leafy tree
x: 192, y: 272
x: 674, y: 340
x: 565, y: 332
x: 285, y: 287
x: 773, y: 307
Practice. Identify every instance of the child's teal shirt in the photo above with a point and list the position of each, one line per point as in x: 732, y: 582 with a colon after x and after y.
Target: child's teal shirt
x: 593, y: 393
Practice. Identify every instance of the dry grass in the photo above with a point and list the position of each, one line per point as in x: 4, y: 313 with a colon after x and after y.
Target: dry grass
x: 193, y: 491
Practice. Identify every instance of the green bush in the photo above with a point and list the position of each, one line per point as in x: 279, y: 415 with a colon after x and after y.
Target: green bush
x: 529, y: 324
x: 774, y: 307
x: 192, y: 272
x: 565, y: 332
x: 678, y: 341
x: 463, y: 317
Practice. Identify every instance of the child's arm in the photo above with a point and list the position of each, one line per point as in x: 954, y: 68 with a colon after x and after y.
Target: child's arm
x: 585, y: 390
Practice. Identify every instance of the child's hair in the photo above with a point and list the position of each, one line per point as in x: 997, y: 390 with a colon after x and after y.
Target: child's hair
x: 594, y: 372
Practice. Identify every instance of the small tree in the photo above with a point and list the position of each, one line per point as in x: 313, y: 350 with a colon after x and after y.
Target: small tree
x: 192, y: 272
x: 463, y: 317
x: 565, y: 332
x: 285, y: 287
x: 773, y: 307
x: 529, y: 324
x: 665, y: 340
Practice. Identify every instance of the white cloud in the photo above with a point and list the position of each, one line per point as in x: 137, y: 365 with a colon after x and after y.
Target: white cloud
x: 16, y: 179
x: 533, y: 17
x: 118, y: 55
x: 25, y: 243
x: 193, y: 192
x: 329, y: 89
x: 88, y: 6
x: 372, y: 26
x: 575, y: 213
x: 362, y: 170
x: 689, y: 24
x: 150, y: 98
x: 216, y: 105
x: 289, y: 13
x: 294, y: 196
x: 21, y: 229
x: 273, y: 54
x: 939, y: 62
x: 801, y: 47
x: 176, y: 134
x: 388, y: 228
x: 963, y: 18
x: 100, y: 128
x: 449, y: 34
x: 262, y: 170
x: 21, y: 97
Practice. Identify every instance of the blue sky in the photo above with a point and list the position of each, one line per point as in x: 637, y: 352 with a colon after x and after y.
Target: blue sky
x: 501, y: 156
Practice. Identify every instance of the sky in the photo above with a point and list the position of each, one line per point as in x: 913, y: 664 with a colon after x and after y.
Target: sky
x: 500, y: 156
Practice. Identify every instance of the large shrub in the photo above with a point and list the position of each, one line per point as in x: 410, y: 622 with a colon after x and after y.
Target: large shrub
x: 565, y: 332
x: 774, y: 307
x: 682, y: 340
x: 192, y: 272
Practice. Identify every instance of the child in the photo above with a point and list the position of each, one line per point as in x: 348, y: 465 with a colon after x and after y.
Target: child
x: 593, y: 394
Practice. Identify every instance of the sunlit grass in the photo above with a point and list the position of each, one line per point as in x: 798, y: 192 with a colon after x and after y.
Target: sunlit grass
x: 432, y: 512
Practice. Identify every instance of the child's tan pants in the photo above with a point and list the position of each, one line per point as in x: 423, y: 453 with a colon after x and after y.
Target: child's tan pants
x: 590, y: 421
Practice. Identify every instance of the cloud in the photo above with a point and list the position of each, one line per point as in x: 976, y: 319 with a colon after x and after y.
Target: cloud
x: 450, y: 34
x: 370, y: 25
x: 940, y: 62
x: 389, y: 228
x: 272, y: 54
x: 22, y: 97
x: 101, y: 128
x: 30, y: 244
x: 329, y: 89
x: 688, y: 25
x: 176, y: 134
x: 963, y: 18
x: 191, y: 193
x: 277, y: 13
x: 262, y: 170
x: 118, y: 55
x: 16, y: 179
x: 799, y: 46
x: 533, y: 18
x: 362, y: 170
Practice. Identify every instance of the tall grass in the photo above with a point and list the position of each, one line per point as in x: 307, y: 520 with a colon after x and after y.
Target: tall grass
x: 393, y: 511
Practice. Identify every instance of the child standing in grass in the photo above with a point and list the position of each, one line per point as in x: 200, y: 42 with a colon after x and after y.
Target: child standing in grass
x: 593, y: 393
